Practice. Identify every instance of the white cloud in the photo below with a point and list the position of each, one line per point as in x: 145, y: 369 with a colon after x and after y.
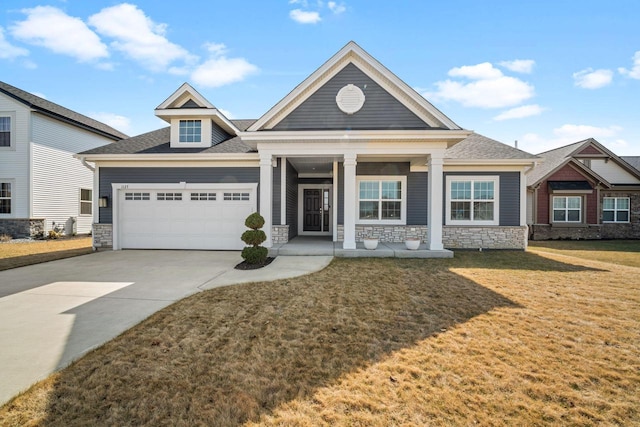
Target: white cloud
x: 570, y: 133
x: 41, y: 95
x: 336, y: 8
x: 7, y: 50
x: 220, y: 70
x: 50, y: 27
x: 476, y: 72
x: 138, y: 37
x: 520, y: 112
x: 519, y: 65
x: 305, y: 17
x: 226, y: 113
x: 634, y: 73
x: 590, y: 79
x: 116, y: 121
x: 489, y: 88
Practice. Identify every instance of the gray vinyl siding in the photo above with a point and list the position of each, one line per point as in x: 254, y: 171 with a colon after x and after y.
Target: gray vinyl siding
x: 218, y: 134
x: 416, y: 187
x: 292, y: 200
x: 276, y: 208
x: 190, y: 104
x: 109, y: 176
x: 509, y: 194
x: 380, y: 110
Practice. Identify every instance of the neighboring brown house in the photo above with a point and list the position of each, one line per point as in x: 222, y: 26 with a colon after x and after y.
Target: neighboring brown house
x: 583, y: 191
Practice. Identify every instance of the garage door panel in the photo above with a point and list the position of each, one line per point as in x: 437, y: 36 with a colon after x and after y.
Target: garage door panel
x: 195, y: 222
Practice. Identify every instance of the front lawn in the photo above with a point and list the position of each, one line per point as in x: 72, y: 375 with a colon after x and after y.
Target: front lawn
x: 492, y: 338
x: 14, y: 255
x: 625, y: 252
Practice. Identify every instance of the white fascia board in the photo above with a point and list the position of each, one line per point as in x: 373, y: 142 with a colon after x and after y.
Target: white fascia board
x: 200, y: 113
x: 515, y: 162
x: 184, y: 88
x: 341, y: 135
x: 355, y: 54
x: 169, y: 157
x: 361, y: 148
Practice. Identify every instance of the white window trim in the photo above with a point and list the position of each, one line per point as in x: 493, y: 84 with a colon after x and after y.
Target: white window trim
x: 403, y: 200
x: 205, y: 133
x: 12, y: 130
x: 13, y: 197
x: 80, y: 201
x: 582, y: 206
x: 616, y: 210
x: 473, y: 178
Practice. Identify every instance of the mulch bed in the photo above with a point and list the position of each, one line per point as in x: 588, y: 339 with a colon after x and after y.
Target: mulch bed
x: 244, y: 265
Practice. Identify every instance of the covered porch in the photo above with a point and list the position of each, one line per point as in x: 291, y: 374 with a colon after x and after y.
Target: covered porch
x: 321, y: 245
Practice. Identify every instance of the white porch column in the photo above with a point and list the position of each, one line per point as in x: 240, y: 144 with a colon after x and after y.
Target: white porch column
x: 349, y: 201
x: 434, y: 220
x: 266, y: 190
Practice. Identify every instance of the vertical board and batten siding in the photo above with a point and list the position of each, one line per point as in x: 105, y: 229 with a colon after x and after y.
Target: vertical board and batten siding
x: 14, y: 162
x: 57, y: 175
x: 159, y: 175
x: 292, y: 200
x: 218, y: 134
x: 612, y: 172
x: 380, y: 110
x: 509, y: 209
x: 276, y: 196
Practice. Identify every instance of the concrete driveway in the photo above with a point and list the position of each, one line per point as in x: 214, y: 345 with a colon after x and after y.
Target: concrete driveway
x: 52, y: 313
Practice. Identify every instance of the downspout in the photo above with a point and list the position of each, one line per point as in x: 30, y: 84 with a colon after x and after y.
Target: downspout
x: 87, y: 165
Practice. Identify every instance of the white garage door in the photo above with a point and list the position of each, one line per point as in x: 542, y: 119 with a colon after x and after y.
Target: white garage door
x: 184, y: 219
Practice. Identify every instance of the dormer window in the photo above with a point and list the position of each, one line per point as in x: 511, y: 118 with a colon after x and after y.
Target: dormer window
x: 190, y: 131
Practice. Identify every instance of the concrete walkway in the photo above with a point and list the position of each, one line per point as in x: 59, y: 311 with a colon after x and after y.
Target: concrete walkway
x: 53, y: 313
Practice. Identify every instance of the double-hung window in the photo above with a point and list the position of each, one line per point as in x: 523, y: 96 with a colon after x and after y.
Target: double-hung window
x: 86, y: 201
x: 190, y: 131
x: 5, y: 131
x: 615, y: 209
x: 382, y: 200
x: 472, y: 200
x: 567, y: 209
x: 5, y: 198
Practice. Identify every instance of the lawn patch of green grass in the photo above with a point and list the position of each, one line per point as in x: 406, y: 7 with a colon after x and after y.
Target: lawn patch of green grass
x: 623, y: 252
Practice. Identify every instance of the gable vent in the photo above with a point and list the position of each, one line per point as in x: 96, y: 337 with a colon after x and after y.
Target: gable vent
x: 350, y: 99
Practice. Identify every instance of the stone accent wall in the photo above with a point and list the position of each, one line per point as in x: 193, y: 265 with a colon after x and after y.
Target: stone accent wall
x: 387, y: 233
x: 22, y: 227
x: 279, y: 234
x: 102, y: 236
x: 484, y: 237
x: 629, y: 230
x: 576, y: 232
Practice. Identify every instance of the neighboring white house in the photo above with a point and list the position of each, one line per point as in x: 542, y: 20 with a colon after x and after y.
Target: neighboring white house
x: 42, y: 186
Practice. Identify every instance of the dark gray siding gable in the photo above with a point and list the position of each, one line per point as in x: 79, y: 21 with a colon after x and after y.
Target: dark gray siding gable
x: 218, y: 134
x: 380, y: 111
x: 134, y: 175
x: 509, y: 195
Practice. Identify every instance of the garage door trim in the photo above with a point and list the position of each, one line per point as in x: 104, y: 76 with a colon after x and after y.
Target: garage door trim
x: 117, y: 188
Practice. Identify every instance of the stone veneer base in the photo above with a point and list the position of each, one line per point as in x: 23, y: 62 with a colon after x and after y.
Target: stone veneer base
x: 279, y: 234
x: 22, y: 227
x: 102, y: 236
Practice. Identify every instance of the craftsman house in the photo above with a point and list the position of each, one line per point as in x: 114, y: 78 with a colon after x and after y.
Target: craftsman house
x: 352, y: 151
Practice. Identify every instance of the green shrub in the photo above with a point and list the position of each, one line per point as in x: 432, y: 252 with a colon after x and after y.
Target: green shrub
x: 254, y: 222
x: 254, y: 237
x: 254, y: 254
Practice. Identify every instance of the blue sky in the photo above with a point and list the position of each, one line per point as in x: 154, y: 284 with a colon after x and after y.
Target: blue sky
x: 545, y: 73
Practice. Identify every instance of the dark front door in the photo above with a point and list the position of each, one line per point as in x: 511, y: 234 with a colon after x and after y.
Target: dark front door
x: 312, y: 213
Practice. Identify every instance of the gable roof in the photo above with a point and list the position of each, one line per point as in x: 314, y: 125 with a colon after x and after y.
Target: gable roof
x: 59, y: 112
x: 479, y: 147
x: 559, y: 157
x: 158, y: 142
x: 632, y: 160
x: 351, y: 53
x: 185, y: 91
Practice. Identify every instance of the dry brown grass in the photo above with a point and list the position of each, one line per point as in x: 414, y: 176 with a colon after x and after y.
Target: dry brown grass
x: 492, y: 338
x: 624, y: 252
x: 14, y: 255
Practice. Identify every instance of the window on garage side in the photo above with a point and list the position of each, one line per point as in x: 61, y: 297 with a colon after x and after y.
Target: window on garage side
x: 190, y: 131
x: 472, y: 200
x: 615, y: 209
x: 567, y: 209
x: 236, y: 196
x: 86, y: 201
x: 5, y: 198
